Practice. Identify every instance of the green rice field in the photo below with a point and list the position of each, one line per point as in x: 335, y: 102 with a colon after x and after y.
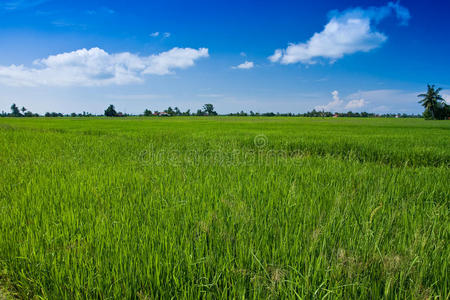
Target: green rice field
x: 224, y: 208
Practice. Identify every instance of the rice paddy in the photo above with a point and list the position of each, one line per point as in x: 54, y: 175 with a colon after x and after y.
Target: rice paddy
x: 224, y: 207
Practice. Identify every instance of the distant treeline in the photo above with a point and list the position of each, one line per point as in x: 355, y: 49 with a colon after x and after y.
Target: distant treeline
x: 23, y: 112
x: 207, y: 110
x: 434, y: 104
x: 327, y: 114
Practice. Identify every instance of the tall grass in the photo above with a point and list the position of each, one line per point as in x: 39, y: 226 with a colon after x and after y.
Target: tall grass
x: 197, y: 208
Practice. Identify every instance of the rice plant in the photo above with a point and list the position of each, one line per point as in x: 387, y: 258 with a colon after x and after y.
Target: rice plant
x: 221, y: 207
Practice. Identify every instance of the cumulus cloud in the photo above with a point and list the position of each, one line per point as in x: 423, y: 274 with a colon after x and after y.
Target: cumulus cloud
x: 333, y: 105
x: 347, y: 32
x: 339, y: 105
x: 154, y: 34
x: 354, y: 104
x: 276, y: 55
x: 244, y: 65
x: 96, y: 67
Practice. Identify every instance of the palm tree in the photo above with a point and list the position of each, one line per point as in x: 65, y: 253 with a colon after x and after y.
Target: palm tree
x: 431, y: 100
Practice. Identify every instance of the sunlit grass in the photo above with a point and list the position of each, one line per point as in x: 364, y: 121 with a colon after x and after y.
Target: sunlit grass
x: 196, y: 207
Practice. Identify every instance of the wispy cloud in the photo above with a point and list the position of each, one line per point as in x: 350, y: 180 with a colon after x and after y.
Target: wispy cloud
x: 136, y: 96
x: 164, y: 35
x: 211, y: 95
x: 46, y: 12
x: 64, y: 23
x: 96, y: 67
x: 347, y: 32
x: 21, y: 4
x: 109, y: 10
x: 389, y: 100
x: 102, y: 10
x: 245, y: 65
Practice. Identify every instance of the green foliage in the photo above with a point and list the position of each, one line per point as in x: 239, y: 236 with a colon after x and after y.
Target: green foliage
x: 53, y: 114
x: 443, y: 111
x: 427, y: 114
x: 170, y: 111
x: 208, y: 109
x: 225, y: 208
x: 15, y: 112
x: 435, y: 106
x: 111, y: 112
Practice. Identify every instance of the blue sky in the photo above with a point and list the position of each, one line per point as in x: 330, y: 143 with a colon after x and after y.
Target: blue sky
x: 281, y: 56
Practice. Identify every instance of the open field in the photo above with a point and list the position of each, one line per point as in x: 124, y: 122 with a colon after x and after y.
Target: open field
x: 224, y: 207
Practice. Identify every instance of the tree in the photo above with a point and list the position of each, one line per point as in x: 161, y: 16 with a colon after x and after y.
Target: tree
x: 15, y: 112
x: 147, y: 113
x: 209, y: 110
x: 170, y: 111
x: 111, y: 111
x: 432, y: 101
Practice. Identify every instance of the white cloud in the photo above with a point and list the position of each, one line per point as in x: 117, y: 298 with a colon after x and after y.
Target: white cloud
x: 347, y: 32
x: 154, y: 34
x: 276, y: 56
x: 333, y: 105
x: 243, y: 54
x: 244, y: 65
x: 96, y: 67
x: 389, y: 100
x: 339, y: 105
x: 354, y: 104
x: 181, y: 58
x: 166, y: 34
